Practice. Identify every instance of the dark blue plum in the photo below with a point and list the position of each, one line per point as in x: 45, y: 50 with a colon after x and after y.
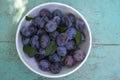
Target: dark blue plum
x: 36, y: 20
x: 41, y: 55
x: 57, y: 19
x: 57, y: 12
x: 44, y: 65
x: 44, y: 41
x: 45, y: 18
x: 35, y: 37
x: 42, y: 52
x: 72, y: 17
x: 38, y: 57
x: 55, y: 68
x: 45, y: 12
x: 53, y: 35
x: 70, y: 45
x: 25, y: 32
x: 67, y: 21
x: 51, y: 26
x: 69, y: 61
x: 39, y: 22
x: 80, y: 25
x: 79, y: 55
x: 62, y: 39
x: 71, y: 32
x: 40, y: 32
x: 35, y: 42
x: 61, y: 51
x: 54, y: 58
x: 26, y: 41
x: 32, y: 29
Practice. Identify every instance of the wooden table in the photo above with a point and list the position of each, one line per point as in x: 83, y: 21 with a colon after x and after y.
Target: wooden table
x: 104, y: 19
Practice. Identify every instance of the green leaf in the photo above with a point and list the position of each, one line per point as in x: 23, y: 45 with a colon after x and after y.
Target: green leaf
x: 51, y: 48
x: 28, y: 18
x: 63, y: 58
x: 78, y: 38
x: 29, y: 50
x: 61, y: 29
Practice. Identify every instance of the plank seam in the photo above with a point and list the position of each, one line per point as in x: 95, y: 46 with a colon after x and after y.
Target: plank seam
x: 104, y: 44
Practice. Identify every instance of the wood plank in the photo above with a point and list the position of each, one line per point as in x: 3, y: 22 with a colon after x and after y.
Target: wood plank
x: 11, y: 14
x: 102, y: 64
x: 103, y: 18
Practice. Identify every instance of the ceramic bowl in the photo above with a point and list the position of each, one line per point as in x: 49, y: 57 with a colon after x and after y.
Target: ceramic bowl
x: 30, y: 62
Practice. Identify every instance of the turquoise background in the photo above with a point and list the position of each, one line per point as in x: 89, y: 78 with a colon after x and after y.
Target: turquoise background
x: 103, y: 17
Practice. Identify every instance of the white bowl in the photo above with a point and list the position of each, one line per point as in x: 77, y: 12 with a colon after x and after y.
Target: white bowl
x: 30, y: 62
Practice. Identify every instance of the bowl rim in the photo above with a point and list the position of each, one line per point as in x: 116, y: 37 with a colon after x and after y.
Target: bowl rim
x: 61, y: 4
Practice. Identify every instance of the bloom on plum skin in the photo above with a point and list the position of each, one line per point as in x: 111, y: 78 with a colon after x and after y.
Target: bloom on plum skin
x: 61, y: 51
x: 62, y: 39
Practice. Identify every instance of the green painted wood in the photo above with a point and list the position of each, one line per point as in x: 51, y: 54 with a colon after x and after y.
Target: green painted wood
x: 11, y: 11
x: 102, y: 64
x: 103, y: 17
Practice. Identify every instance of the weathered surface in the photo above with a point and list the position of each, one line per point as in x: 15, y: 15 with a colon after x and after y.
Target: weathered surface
x: 103, y: 17
x: 102, y: 64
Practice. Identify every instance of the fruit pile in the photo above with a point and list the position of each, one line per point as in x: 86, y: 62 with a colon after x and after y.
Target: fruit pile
x: 53, y: 39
